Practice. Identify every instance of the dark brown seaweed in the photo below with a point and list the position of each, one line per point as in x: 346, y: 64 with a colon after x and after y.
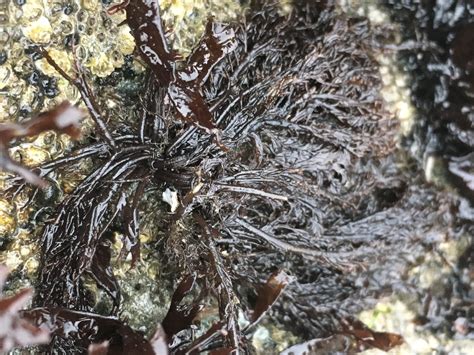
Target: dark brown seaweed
x: 86, y: 328
x: 183, y: 86
x: 310, y: 184
x: 82, y: 219
x: 98, y: 349
x: 366, y: 336
x: 269, y: 293
x: 179, y: 316
x: 223, y: 289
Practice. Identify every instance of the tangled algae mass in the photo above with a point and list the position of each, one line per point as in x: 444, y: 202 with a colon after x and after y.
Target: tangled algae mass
x: 246, y: 175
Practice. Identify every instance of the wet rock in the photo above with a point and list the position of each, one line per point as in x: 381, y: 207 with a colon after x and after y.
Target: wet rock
x: 7, y: 218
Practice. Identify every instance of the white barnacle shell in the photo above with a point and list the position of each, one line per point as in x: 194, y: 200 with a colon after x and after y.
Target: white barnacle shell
x: 171, y: 198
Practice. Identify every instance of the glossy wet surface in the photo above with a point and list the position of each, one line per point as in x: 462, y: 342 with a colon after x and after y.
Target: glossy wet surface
x: 302, y: 175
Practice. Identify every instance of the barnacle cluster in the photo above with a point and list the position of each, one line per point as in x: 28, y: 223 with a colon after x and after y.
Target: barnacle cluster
x: 31, y: 85
x: 101, y: 43
x: 187, y: 18
x: 74, y: 31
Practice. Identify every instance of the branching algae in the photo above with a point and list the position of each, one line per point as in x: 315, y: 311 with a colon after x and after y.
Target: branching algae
x: 274, y: 138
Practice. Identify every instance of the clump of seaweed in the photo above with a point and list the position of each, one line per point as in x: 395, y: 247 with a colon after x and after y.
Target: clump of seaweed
x: 274, y: 138
x: 437, y: 52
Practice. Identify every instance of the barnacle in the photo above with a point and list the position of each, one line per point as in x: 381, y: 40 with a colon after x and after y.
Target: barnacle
x: 21, y: 253
x: 7, y: 218
x: 31, y: 11
x: 125, y: 41
x: 187, y: 18
x: 90, y: 5
x: 63, y: 58
x: 5, y: 77
x: 39, y: 31
x: 30, y: 154
x: 101, y: 65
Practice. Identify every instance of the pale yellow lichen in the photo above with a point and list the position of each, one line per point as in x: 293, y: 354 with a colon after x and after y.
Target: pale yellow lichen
x: 39, y: 31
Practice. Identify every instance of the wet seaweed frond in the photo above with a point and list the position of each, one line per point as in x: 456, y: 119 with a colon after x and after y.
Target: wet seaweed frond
x: 274, y: 142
